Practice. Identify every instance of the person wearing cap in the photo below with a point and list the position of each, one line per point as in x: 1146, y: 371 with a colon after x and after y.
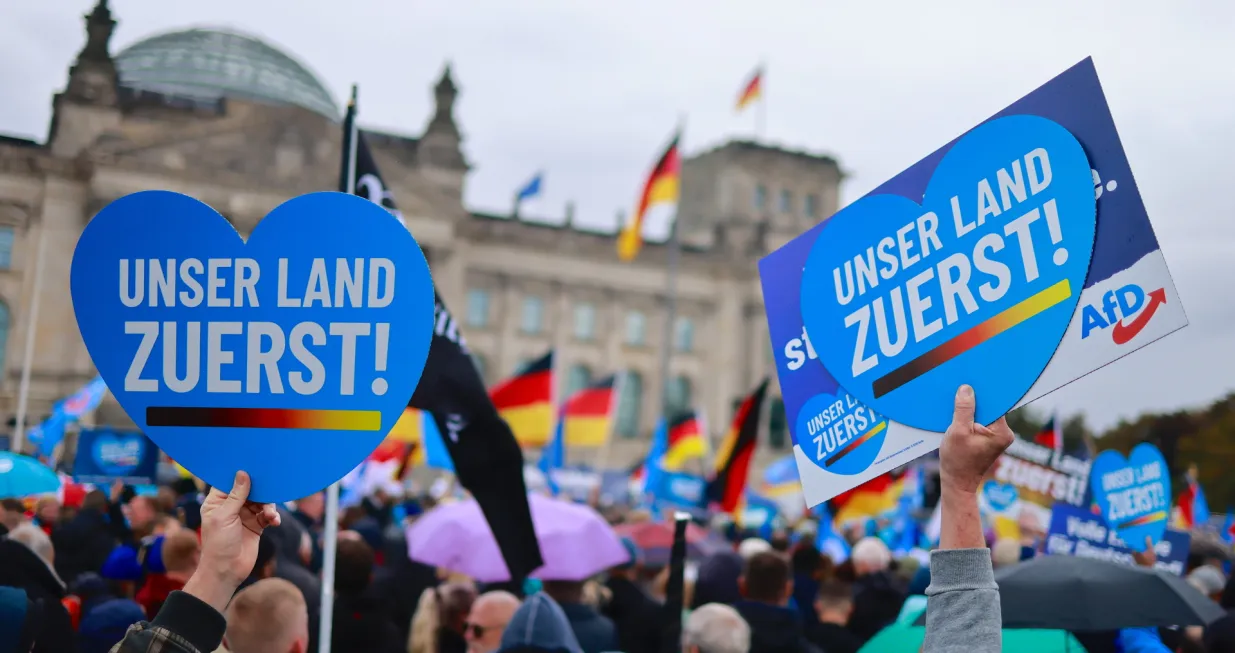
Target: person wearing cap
x: 636, y: 615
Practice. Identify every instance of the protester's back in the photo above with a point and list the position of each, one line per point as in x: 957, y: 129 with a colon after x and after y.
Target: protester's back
x: 361, y: 624
x: 539, y: 626
x: 594, y: 631
x: 766, y: 586
x: 878, y: 595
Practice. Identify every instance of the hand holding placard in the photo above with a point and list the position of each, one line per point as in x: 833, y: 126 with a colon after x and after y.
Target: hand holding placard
x: 289, y: 356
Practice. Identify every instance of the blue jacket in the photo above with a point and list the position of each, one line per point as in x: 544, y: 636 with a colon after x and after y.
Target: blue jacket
x: 1141, y: 640
x: 539, y: 625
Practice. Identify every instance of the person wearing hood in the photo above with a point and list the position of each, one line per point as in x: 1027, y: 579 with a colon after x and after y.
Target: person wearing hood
x: 766, y: 585
x: 28, y: 565
x: 717, y: 580
x: 877, y: 594
x: 539, y: 626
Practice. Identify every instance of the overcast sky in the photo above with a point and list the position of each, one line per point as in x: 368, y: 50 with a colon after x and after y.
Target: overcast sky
x: 588, y: 91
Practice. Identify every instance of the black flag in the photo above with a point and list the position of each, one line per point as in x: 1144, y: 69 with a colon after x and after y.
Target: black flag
x: 487, y: 458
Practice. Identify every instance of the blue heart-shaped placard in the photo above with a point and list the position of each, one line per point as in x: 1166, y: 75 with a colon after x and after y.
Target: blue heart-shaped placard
x: 999, y: 496
x: 1134, y: 493
x: 976, y: 285
x: 289, y: 356
x: 839, y: 434
x: 119, y: 454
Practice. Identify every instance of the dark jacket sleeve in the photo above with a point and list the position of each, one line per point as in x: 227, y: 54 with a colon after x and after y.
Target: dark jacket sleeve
x: 184, y: 625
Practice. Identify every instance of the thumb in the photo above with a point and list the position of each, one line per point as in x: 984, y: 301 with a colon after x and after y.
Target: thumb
x: 1149, y: 544
x: 240, y: 492
x: 962, y: 412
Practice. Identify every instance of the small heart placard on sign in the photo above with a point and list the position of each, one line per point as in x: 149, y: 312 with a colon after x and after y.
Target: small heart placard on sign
x: 1134, y: 493
x: 288, y: 356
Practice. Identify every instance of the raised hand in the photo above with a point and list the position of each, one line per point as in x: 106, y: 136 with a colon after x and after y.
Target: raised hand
x: 231, y: 528
x: 969, y: 449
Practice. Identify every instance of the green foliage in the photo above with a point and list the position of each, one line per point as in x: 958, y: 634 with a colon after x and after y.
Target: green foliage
x: 1204, y: 438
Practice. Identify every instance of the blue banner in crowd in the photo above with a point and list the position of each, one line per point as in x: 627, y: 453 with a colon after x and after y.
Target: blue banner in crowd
x: 107, y: 455
x: 51, y: 432
x: 1078, y: 532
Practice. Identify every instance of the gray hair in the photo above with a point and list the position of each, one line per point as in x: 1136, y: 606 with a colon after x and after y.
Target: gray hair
x: 33, y: 538
x: 716, y: 628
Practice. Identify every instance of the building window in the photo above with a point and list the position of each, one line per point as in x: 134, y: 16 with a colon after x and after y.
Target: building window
x: 533, y: 317
x: 636, y: 328
x: 630, y: 405
x: 777, y: 426
x: 811, y: 205
x: 786, y: 202
x: 761, y: 197
x: 684, y: 335
x: 477, y: 308
x: 6, y: 247
x: 577, y: 379
x: 678, y: 396
x: 585, y: 321
x: 481, y: 364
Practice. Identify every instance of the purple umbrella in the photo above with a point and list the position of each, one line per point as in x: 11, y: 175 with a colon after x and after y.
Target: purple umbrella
x: 575, y: 542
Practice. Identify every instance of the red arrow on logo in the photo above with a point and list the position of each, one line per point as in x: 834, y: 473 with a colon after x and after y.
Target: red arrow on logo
x: 1122, y: 333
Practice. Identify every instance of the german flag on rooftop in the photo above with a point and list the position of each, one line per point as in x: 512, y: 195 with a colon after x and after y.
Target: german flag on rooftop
x: 525, y: 401
x: 688, y: 440
x: 587, y: 416
x: 660, y: 195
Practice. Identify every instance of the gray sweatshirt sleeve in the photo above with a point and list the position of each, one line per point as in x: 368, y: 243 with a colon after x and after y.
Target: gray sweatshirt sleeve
x: 962, y: 609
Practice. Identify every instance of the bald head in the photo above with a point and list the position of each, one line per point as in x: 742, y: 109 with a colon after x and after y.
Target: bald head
x: 269, y: 616
x: 487, y: 620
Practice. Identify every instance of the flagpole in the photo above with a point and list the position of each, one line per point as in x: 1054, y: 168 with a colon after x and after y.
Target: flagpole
x: 331, y: 534
x: 23, y: 391
x: 761, y: 112
x: 619, y: 386
x: 674, y: 246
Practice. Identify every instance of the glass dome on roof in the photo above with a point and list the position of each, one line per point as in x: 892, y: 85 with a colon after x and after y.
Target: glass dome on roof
x: 208, y: 64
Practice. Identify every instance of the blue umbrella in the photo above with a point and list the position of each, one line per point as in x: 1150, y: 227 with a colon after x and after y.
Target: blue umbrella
x: 23, y: 476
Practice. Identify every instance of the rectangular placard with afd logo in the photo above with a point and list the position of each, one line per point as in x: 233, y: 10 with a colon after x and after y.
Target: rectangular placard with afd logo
x: 1007, y: 225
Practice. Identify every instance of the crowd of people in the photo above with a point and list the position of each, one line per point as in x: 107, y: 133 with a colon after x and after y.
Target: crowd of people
x: 202, y: 571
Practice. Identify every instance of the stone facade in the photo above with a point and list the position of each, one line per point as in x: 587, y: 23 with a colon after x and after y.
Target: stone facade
x: 518, y: 288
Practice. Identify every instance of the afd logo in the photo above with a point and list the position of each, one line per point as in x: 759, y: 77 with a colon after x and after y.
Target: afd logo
x: 1125, y: 311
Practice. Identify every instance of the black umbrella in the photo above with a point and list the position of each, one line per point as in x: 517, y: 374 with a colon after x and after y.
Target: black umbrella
x: 1086, y: 595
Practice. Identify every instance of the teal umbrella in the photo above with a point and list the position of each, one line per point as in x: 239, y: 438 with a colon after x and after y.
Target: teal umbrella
x: 23, y: 476
x: 903, y: 636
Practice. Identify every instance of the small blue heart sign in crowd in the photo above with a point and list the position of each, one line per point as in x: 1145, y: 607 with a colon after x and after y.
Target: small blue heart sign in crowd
x: 289, y: 356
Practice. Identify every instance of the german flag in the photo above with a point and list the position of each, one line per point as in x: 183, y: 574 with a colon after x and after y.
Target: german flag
x: 525, y: 401
x: 752, y: 91
x: 587, y: 416
x: 660, y: 191
x: 870, y: 499
x: 688, y: 439
x: 728, y: 487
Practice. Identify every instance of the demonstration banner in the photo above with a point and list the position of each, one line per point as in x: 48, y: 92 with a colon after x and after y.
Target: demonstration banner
x: 289, y: 356
x: 1025, y: 484
x: 1016, y: 259
x: 1078, y: 532
x: 108, y: 455
x: 1134, y: 493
